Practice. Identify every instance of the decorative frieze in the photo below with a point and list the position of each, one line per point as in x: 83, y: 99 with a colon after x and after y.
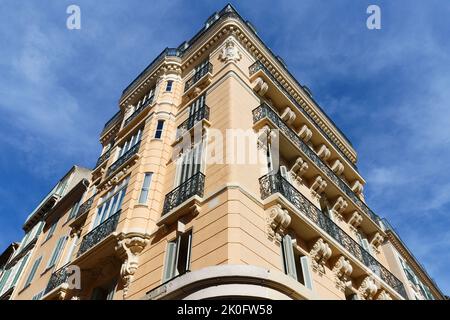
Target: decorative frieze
x: 320, y: 253
x: 288, y: 115
x: 305, y: 133
x: 278, y: 220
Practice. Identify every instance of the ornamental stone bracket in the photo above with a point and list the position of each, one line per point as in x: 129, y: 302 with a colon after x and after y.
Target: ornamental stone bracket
x: 305, y: 133
x: 355, y: 220
x: 128, y: 248
x: 230, y: 51
x: 288, y: 115
x: 323, y: 152
x: 260, y: 86
x: 358, y: 188
x: 342, y: 270
x: 339, y: 207
x: 337, y: 167
x: 115, y: 179
x: 318, y: 186
x: 383, y: 295
x: 299, y: 168
x: 367, y: 288
x: 376, y: 240
x: 320, y: 253
x: 278, y: 221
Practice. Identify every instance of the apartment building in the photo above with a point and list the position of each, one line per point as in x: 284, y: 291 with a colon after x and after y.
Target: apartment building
x: 220, y: 177
x: 39, y: 243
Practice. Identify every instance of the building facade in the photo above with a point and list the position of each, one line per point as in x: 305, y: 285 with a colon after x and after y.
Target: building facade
x: 221, y: 177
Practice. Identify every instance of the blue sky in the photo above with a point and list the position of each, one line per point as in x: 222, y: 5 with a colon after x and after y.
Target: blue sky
x: 388, y: 90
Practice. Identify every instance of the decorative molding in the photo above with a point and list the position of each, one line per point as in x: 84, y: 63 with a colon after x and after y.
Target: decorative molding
x: 342, y: 269
x: 299, y: 168
x: 320, y: 253
x: 318, y: 186
x: 323, y: 152
x: 278, y: 220
x: 367, y: 288
x: 383, y: 295
x: 260, y: 86
x: 339, y: 206
x: 337, y: 167
x: 128, y: 248
x: 305, y: 133
x: 230, y: 51
x: 355, y: 220
x: 288, y: 115
x: 377, y: 240
x: 357, y: 187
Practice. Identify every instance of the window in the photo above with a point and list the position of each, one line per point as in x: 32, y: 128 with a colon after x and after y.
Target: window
x: 104, y: 292
x: 295, y: 264
x: 70, y: 250
x: 190, y: 163
x: 5, y: 277
x: 74, y: 210
x: 51, y: 230
x: 33, y: 271
x: 159, y: 129
x: 145, y: 188
x: 57, y: 252
x: 364, y: 242
x: 169, y: 85
x: 19, y: 270
x: 178, y: 256
x: 111, y: 203
x: 129, y: 143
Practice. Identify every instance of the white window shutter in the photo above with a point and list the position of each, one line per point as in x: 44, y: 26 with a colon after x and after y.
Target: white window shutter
x: 170, y: 263
x: 288, y: 255
x: 307, y: 275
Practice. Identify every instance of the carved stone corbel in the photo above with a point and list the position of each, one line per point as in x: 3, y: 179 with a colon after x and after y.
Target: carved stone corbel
x: 339, y: 206
x: 383, y: 295
x: 368, y: 288
x: 377, y: 240
x: 288, y: 115
x: 323, y: 152
x: 337, y: 167
x: 278, y: 220
x: 357, y: 187
x: 128, y: 249
x: 320, y: 253
x: 318, y: 186
x: 299, y: 168
x: 355, y: 220
x: 342, y: 269
x: 305, y: 133
x: 261, y: 86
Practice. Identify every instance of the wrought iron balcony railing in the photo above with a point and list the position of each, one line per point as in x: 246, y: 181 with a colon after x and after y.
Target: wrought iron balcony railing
x: 259, y: 66
x: 127, y: 155
x: 199, y: 74
x: 111, y: 122
x: 193, y: 186
x: 103, y: 158
x: 138, y: 111
x: 264, y: 111
x: 86, y: 206
x: 57, y: 278
x: 275, y: 183
x: 188, y: 124
x: 99, y: 233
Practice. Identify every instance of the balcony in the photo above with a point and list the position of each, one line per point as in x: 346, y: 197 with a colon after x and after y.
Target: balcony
x: 57, y: 279
x: 199, y: 75
x: 264, y: 111
x: 99, y: 233
x: 138, y: 111
x: 124, y: 158
x: 189, y: 123
x: 111, y: 122
x: 194, y: 186
x: 103, y: 158
x: 272, y: 184
x: 86, y: 206
x: 258, y: 66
